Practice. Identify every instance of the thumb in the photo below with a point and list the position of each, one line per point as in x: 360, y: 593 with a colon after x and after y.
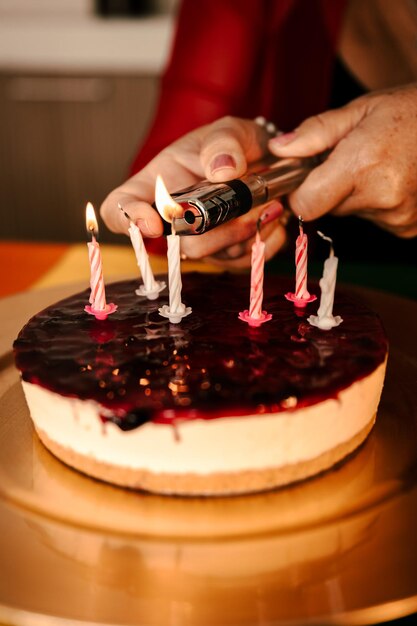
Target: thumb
x: 320, y: 132
x: 229, y: 145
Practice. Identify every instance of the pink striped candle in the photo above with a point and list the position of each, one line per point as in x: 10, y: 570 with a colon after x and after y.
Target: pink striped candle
x: 301, y: 245
x: 301, y: 297
x: 98, y: 306
x: 98, y: 293
x: 255, y: 316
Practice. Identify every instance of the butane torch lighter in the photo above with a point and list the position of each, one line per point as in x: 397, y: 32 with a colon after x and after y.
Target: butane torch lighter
x: 207, y: 205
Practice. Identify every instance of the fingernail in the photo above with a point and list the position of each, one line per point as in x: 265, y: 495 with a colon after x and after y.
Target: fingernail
x: 222, y: 161
x: 284, y: 139
x: 271, y: 213
x: 145, y: 228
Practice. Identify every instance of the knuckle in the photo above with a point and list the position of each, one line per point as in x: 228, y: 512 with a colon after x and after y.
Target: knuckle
x: 320, y: 120
x: 227, y: 120
x: 374, y: 169
x: 315, y: 122
x: 398, y: 218
x: 391, y: 193
x: 408, y: 232
x: 226, y: 123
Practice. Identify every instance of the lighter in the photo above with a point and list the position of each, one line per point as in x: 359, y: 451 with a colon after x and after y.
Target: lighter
x: 207, y: 205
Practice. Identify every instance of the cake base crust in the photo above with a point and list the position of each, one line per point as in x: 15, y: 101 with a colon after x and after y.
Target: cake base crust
x: 218, y: 483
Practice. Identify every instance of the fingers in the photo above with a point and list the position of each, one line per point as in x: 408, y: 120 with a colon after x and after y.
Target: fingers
x: 139, y: 212
x: 137, y: 194
x: 231, y: 233
x: 219, y: 151
x: 319, y: 133
x: 274, y: 237
x: 229, y: 145
x: 274, y: 240
x: 400, y: 221
x: 326, y: 187
x: 230, y: 244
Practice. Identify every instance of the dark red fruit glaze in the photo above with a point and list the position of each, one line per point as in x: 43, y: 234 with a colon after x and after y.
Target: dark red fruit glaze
x: 141, y: 368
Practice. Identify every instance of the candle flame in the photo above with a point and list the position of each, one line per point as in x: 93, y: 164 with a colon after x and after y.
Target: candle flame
x: 166, y: 205
x: 90, y: 220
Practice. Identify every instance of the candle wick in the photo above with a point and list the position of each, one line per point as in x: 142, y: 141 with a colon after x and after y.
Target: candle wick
x: 124, y: 212
x: 325, y: 237
x: 300, y: 224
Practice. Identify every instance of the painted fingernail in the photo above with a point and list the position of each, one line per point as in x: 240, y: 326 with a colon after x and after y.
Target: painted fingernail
x: 145, y: 228
x: 222, y: 161
x: 284, y: 139
x: 271, y: 213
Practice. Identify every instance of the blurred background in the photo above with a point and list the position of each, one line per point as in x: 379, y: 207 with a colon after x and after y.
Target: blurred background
x: 78, y: 84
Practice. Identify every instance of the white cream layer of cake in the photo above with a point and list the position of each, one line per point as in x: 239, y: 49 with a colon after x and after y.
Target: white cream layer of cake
x: 232, y: 444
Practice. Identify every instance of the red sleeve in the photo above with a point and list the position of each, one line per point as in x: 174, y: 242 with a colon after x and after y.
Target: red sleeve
x: 214, y: 55
x: 245, y: 58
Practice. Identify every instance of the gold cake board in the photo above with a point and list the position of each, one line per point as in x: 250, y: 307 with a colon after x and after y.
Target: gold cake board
x: 338, y: 549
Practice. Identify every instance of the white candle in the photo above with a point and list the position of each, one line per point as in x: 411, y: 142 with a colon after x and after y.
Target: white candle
x: 168, y: 209
x: 174, y: 274
x: 142, y: 257
x: 150, y: 287
x: 325, y: 318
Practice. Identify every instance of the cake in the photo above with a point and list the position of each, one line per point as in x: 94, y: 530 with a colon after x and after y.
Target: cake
x: 211, y: 406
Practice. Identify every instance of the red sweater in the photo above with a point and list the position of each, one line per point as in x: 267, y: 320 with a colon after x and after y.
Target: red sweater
x: 245, y: 58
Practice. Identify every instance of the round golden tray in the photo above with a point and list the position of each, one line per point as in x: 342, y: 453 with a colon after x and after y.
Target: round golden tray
x: 338, y: 549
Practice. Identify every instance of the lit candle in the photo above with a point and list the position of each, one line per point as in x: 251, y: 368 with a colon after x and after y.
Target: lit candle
x: 98, y: 306
x: 325, y: 318
x: 168, y: 209
x: 255, y: 316
x: 301, y: 297
x: 151, y: 287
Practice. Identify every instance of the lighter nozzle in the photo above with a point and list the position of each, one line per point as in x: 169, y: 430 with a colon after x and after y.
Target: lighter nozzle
x: 191, y: 220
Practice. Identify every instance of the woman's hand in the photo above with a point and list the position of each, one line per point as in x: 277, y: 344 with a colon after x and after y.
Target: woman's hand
x: 219, y: 152
x: 372, y: 169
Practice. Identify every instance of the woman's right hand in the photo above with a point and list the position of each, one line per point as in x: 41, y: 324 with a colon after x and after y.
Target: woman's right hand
x: 218, y: 152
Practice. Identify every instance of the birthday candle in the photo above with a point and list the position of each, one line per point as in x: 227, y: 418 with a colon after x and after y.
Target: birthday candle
x: 325, y: 318
x: 97, y: 294
x: 301, y: 297
x: 301, y: 264
x: 257, y: 277
x: 168, y: 208
x: 98, y: 306
x: 150, y: 287
x: 142, y: 257
x: 255, y: 316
